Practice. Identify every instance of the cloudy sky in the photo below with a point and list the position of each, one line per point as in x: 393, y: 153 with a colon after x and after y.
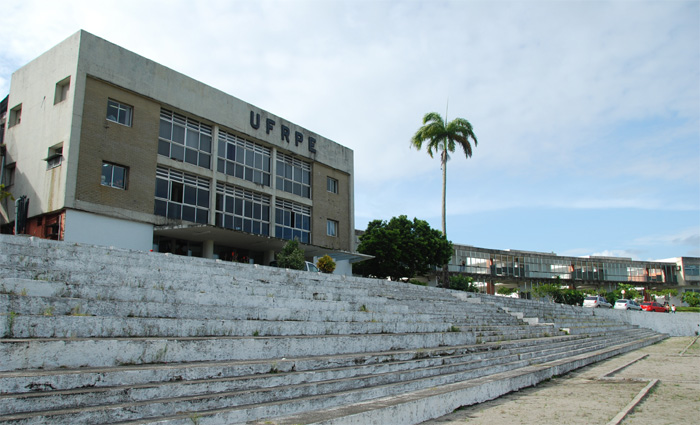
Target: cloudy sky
x: 587, y: 113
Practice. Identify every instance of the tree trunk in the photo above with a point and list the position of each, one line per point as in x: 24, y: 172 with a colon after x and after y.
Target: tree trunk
x: 445, y: 272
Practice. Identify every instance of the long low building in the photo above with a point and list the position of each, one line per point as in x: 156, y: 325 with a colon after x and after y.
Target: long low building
x: 104, y: 146
x: 523, y: 269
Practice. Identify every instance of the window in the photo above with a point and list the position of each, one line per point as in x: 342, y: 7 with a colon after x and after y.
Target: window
x: 243, y: 210
x: 181, y: 196
x: 292, y: 221
x: 15, y: 116
x: 113, y: 175
x: 332, y: 185
x: 332, y: 228
x: 62, y: 91
x: 55, y: 156
x: 9, y: 178
x: 184, y: 139
x: 692, y: 270
x: 293, y: 176
x: 243, y: 159
x: 119, y: 113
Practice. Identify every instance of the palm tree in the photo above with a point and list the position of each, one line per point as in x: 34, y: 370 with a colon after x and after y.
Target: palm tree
x: 444, y: 138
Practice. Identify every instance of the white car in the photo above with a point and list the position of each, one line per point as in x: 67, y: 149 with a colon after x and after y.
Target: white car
x: 627, y: 305
x: 596, y: 301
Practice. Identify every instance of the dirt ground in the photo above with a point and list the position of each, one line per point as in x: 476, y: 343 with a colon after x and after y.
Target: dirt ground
x: 603, y: 392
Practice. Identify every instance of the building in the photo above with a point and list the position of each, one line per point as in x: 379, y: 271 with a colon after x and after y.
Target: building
x: 111, y: 148
x: 493, y: 268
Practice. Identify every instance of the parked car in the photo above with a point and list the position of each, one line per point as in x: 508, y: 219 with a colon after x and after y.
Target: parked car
x: 308, y: 266
x: 596, y: 301
x: 654, y: 306
x: 626, y: 305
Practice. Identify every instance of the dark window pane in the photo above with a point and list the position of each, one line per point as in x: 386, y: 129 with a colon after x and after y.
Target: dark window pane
x: 280, y: 168
x: 256, y: 211
x: 173, y: 210
x: 118, y: 177
x: 205, y: 143
x: 219, y: 220
x: 265, y: 229
x: 266, y: 164
x: 306, y: 177
x: 231, y: 152
x: 305, y: 192
x: 178, y: 134
x: 221, y: 166
x: 305, y: 238
x: 163, y: 148
x: 106, y: 174
x: 229, y: 222
x: 203, y: 198
x: 222, y: 149
x: 266, y: 179
x: 229, y: 205
x: 258, y: 161
x: 239, y: 171
x: 306, y: 223
x: 248, y: 174
x: 188, y: 213
x: 190, y: 196
x: 176, y: 190
x: 297, y: 175
x: 165, y: 129
x: 256, y: 227
x: 177, y: 152
x: 162, y: 188
x: 279, y: 232
x: 279, y: 183
x: 248, y: 211
x: 249, y: 158
x: 191, y: 156
x: 265, y: 213
x: 297, y: 189
x: 247, y: 226
x: 230, y: 168
x: 257, y: 176
x: 202, y: 216
x: 161, y: 208
x: 238, y: 210
x: 204, y: 160
x: 279, y: 216
x: 219, y: 202
x: 238, y: 223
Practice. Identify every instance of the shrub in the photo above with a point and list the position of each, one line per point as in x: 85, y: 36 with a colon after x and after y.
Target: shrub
x: 417, y: 282
x: 291, y: 256
x: 463, y: 283
x: 692, y: 298
x: 506, y: 291
x: 326, y: 264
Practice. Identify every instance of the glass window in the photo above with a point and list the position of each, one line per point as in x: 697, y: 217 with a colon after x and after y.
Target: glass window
x: 332, y: 228
x: 119, y: 113
x: 293, y: 220
x: 332, y: 185
x: 293, y: 175
x: 240, y: 209
x: 113, y: 176
x: 181, y: 196
x: 243, y: 159
x: 184, y: 139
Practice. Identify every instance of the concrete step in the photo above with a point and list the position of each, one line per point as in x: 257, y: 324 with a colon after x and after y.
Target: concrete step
x: 203, y: 395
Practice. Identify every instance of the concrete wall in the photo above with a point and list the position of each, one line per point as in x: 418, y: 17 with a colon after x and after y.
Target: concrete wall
x: 82, y: 227
x: 679, y: 324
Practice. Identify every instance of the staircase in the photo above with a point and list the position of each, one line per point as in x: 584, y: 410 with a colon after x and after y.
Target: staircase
x: 98, y: 335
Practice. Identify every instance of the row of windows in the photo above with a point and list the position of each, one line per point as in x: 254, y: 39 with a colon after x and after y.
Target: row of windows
x: 240, y: 209
x: 181, y: 196
x: 184, y: 139
x: 243, y: 159
x: 293, y: 175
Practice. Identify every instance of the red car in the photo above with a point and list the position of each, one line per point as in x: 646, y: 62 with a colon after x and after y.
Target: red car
x: 651, y: 306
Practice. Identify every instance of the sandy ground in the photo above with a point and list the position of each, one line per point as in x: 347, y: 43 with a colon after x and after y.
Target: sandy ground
x: 597, y: 394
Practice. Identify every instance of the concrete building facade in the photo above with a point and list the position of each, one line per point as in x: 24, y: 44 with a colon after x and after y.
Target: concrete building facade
x: 111, y: 148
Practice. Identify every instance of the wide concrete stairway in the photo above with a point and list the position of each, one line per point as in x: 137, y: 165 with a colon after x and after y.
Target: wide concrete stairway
x: 98, y: 335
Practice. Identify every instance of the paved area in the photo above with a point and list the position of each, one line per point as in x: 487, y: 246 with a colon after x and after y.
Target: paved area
x: 659, y: 384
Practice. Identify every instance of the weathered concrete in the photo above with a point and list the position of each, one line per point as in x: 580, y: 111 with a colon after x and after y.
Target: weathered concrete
x: 100, y: 335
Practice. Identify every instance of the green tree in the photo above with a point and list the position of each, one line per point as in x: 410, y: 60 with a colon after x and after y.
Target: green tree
x: 463, y: 283
x: 443, y: 138
x: 401, y: 248
x: 291, y: 256
x: 692, y: 298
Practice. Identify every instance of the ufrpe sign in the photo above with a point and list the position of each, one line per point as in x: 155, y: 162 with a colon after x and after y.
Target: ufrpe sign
x: 285, y: 132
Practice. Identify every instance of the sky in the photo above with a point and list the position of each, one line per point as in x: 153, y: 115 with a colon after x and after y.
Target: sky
x: 587, y: 113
